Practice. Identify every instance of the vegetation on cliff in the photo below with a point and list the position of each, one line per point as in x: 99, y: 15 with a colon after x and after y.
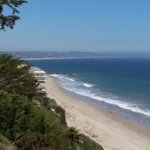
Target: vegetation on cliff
x: 29, y: 120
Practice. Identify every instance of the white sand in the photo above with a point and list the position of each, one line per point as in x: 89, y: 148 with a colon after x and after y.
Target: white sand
x: 106, y: 128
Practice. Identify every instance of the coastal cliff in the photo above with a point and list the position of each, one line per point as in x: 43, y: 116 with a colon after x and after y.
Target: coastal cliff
x: 29, y: 120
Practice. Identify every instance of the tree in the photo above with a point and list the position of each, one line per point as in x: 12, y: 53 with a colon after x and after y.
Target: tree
x: 13, y: 112
x: 16, y: 78
x: 9, y: 20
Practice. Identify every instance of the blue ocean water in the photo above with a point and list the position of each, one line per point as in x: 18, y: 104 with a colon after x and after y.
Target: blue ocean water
x: 120, y: 85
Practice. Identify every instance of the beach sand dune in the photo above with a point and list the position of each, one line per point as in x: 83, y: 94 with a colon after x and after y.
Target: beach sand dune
x: 106, y: 128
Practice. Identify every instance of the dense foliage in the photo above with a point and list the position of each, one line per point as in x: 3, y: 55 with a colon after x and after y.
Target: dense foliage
x: 28, y: 119
x: 9, y: 20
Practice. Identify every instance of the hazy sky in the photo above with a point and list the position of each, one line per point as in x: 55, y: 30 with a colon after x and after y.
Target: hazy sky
x: 85, y: 25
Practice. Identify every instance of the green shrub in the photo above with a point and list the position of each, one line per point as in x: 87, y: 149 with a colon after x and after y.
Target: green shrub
x: 51, y: 104
x: 5, y: 144
x: 89, y: 144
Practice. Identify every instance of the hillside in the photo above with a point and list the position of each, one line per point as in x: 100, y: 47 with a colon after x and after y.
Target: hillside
x: 29, y: 120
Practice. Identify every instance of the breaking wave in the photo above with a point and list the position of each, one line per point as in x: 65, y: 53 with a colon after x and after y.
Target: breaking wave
x: 85, y: 89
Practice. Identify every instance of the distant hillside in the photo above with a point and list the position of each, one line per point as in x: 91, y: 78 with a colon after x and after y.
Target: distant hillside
x: 53, y: 54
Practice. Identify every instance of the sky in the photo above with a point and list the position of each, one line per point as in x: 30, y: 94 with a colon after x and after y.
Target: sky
x: 81, y: 25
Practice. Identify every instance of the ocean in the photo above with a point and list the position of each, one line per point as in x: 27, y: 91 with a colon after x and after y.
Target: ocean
x: 119, y: 85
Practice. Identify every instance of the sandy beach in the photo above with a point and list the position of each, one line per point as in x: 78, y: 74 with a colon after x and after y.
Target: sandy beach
x: 106, y: 128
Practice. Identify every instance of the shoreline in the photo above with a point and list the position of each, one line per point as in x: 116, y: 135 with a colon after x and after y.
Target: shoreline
x: 106, y: 128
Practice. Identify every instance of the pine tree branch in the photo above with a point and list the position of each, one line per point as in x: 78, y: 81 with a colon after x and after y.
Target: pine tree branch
x: 10, y: 20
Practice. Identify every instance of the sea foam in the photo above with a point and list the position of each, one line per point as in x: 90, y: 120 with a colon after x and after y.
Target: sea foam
x: 62, y: 77
x: 77, y: 87
x: 121, y: 104
x: 88, y: 85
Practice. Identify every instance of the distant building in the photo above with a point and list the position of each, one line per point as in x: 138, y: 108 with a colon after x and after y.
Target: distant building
x: 39, y: 74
